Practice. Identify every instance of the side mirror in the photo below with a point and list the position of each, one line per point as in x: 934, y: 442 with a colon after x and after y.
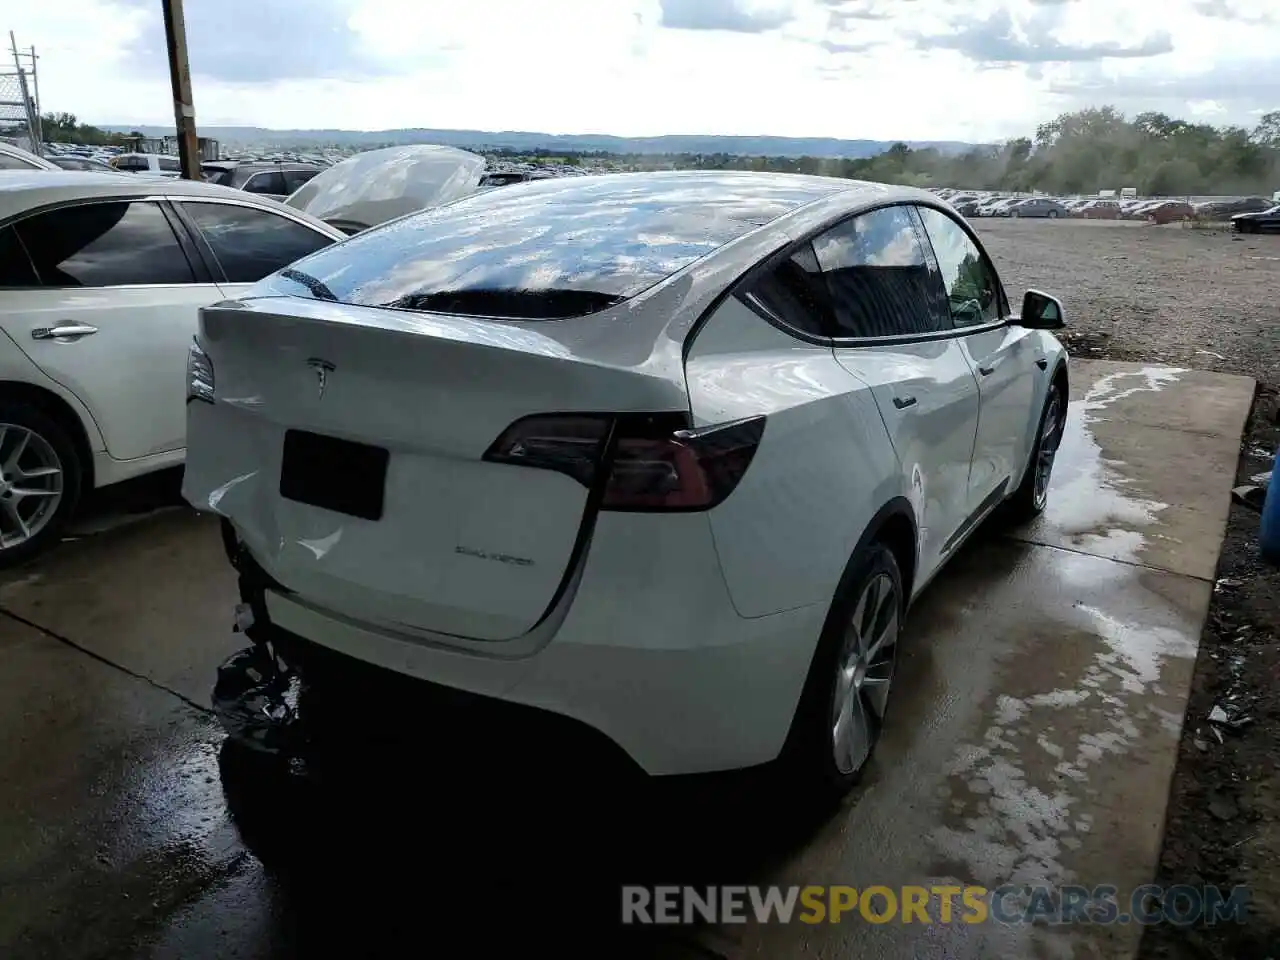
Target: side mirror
x: 1041, y: 312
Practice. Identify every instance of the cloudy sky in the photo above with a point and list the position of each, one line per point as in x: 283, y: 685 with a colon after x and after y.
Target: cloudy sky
x: 882, y: 69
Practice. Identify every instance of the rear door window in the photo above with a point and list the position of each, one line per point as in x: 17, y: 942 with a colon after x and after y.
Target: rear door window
x: 878, y: 276
x: 249, y: 244
x: 104, y: 245
x: 293, y: 179
x: 271, y: 181
x: 15, y: 265
x: 8, y: 162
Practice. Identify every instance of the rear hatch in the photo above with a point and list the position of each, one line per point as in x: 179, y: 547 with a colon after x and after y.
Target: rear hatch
x: 348, y: 446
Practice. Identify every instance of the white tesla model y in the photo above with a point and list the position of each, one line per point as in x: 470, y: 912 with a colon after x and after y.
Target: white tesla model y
x: 665, y: 454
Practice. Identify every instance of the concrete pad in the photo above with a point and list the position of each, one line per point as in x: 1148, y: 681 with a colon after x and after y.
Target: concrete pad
x: 111, y: 813
x: 1032, y: 734
x: 156, y: 597
x: 1169, y: 398
x: 1032, y: 739
x: 1146, y: 466
x: 1035, y: 724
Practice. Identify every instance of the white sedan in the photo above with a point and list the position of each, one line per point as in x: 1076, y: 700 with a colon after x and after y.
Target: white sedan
x: 15, y: 158
x: 665, y: 454
x: 101, y: 275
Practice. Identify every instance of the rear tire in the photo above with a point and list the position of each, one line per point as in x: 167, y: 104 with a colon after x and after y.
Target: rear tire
x: 40, y: 481
x: 1032, y: 495
x: 842, y: 708
x: 1053, y: 214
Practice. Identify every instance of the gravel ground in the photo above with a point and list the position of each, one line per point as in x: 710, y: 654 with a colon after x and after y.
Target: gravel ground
x: 1209, y: 300
x: 1191, y: 297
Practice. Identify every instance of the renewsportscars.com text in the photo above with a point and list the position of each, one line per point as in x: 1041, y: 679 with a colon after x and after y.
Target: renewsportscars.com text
x: 1010, y: 904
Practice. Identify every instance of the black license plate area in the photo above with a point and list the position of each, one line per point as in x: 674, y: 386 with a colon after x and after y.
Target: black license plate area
x: 339, y: 475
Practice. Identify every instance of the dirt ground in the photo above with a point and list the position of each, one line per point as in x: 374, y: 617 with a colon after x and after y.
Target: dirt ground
x: 1208, y: 300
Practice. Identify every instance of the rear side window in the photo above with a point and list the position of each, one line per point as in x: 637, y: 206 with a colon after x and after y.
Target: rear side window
x: 15, y: 266
x: 269, y: 182
x: 8, y: 162
x: 104, y: 245
x: 250, y: 244
x: 168, y: 164
x: 794, y: 293
x: 878, y: 276
x: 293, y: 179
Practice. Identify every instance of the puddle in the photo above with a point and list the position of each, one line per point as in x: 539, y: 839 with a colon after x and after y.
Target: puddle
x: 1071, y: 731
x: 1093, y: 502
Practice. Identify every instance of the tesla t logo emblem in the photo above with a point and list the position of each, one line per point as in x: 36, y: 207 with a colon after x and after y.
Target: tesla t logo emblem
x: 322, y: 368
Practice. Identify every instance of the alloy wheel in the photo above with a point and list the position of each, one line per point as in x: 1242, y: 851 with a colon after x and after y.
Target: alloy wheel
x: 864, y: 672
x: 30, y: 484
x: 1047, y: 448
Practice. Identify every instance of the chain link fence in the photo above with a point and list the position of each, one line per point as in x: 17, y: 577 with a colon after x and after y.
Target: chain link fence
x: 17, y: 114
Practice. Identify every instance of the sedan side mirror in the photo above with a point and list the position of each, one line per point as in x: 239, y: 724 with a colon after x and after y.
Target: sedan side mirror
x: 1041, y: 312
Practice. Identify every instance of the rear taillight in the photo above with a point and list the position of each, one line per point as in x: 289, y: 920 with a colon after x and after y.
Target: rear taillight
x: 640, y: 462
x: 199, y: 374
x: 568, y: 444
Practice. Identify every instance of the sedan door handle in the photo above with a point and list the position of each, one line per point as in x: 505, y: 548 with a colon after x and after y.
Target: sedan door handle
x: 986, y: 371
x: 66, y: 331
x: 903, y: 402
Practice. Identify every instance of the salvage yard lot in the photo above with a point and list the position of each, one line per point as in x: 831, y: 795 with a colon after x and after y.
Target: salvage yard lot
x: 123, y: 845
x: 1202, y: 298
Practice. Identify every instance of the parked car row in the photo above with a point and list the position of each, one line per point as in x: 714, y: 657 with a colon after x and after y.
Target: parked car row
x: 1151, y: 210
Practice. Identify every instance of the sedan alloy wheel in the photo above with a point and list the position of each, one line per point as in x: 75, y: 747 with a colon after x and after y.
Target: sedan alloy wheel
x: 31, y: 475
x: 864, y: 672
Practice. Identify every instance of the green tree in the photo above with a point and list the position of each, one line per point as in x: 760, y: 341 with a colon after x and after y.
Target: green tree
x: 1267, y: 132
x: 1177, y: 177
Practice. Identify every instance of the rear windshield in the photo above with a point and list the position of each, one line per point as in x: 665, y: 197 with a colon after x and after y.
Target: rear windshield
x: 546, y: 250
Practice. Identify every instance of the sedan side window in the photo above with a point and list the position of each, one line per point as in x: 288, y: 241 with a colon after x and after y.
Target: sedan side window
x: 15, y: 163
x: 270, y: 182
x: 973, y: 292
x: 104, y: 245
x: 15, y: 267
x: 250, y: 244
x: 794, y: 293
x: 878, y: 276
x: 293, y: 179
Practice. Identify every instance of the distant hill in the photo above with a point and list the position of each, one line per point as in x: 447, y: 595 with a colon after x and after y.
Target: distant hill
x: 578, y: 143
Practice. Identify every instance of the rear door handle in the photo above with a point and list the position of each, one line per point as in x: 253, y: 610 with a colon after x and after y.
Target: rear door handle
x: 904, y: 402
x: 66, y: 331
x: 986, y: 371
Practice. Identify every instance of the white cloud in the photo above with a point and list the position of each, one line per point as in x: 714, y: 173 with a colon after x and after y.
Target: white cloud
x: 882, y: 69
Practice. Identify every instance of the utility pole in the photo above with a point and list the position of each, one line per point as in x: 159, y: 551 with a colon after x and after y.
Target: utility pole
x: 184, y: 111
x: 35, y: 91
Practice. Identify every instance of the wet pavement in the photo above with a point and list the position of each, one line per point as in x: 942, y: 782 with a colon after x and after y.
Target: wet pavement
x: 1032, y: 737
